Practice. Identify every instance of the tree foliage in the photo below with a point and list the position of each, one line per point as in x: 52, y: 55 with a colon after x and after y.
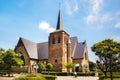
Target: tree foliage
x: 69, y: 65
x: 108, y: 52
x: 10, y: 58
x: 2, y: 51
x: 92, y: 66
x: 41, y: 65
x: 49, y: 66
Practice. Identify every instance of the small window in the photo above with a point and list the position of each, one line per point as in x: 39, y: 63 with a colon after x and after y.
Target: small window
x: 59, y: 40
x: 53, y: 40
x: 56, y: 60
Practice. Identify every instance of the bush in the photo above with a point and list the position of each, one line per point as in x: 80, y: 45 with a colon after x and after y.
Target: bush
x: 65, y: 73
x: 49, y: 76
x: 2, y: 73
x: 86, y: 74
x: 31, y: 77
x: 56, y: 73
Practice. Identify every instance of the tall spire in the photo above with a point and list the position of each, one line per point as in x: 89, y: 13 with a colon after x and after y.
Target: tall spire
x: 59, y: 22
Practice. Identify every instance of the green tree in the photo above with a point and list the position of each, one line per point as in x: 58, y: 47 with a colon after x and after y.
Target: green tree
x: 69, y: 66
x: 2, y: 52
x: 92, y: 66
x: 11, y: 58
x: 108, y: 52
x: 41, y: 65
x: 49, y: 66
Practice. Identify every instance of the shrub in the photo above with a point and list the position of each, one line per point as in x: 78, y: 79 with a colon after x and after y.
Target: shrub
x: 65, y: 73
x: 61, y: 73
x: 49, y: 76
x: 3, y: 73
x: 31, y: 77
x: 86, y: 74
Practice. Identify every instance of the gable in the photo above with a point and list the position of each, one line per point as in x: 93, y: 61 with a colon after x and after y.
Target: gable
x: 86, y: 53
x: 31, y: 48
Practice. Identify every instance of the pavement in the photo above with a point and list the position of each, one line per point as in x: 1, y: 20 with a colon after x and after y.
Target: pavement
x: 77, y: 78
x: 6, y: 78
x: 61, y: 78
x: 58, y: 77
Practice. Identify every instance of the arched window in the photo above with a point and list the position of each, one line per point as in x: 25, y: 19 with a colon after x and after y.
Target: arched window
x: 58, y: 40
x: 53, y: 40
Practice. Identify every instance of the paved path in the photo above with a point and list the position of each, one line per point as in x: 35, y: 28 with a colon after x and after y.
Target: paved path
x: 61, y: 78
x: 6, y: 78
x: 77, y: 78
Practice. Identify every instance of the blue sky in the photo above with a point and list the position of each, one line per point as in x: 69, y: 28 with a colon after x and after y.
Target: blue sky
x: 90, y: 20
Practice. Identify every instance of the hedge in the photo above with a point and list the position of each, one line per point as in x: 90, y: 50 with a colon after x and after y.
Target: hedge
x: 86, y: 74
x: 31, y: 77
x: 65, y: 73
x: 36, y: 77
x: 50, y: 77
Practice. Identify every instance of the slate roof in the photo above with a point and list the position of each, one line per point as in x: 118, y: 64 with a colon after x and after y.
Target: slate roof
x: 31, y: 48
x: 79, y: 52
x: 40, y: 50
x: 77, y: 49
x: 74, y: 42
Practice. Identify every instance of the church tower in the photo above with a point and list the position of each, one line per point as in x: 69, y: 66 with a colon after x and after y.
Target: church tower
x: 58, y: 46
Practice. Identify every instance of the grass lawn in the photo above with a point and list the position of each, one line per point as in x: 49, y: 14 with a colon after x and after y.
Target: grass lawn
x: 116, y: 76
x: 110, y: 79
x: 36, y: 77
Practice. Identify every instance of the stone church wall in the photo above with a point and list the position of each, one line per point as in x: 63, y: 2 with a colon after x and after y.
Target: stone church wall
x: 20, y: 49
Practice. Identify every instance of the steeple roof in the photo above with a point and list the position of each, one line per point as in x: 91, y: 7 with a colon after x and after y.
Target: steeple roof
x: 59, y: 22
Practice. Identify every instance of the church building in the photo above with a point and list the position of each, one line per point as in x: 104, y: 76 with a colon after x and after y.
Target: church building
x: 60, y: 48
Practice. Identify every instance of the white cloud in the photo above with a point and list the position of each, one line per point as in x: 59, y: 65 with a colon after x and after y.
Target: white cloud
x: 91, y: 18
x: 71, y: 7
x: 117, y: 25
x: 94, y: 9
x: 45, y: 26
x: 117, y: 38
x: 96, y: 5
x: 68, y: 8
x: 75, y: 7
